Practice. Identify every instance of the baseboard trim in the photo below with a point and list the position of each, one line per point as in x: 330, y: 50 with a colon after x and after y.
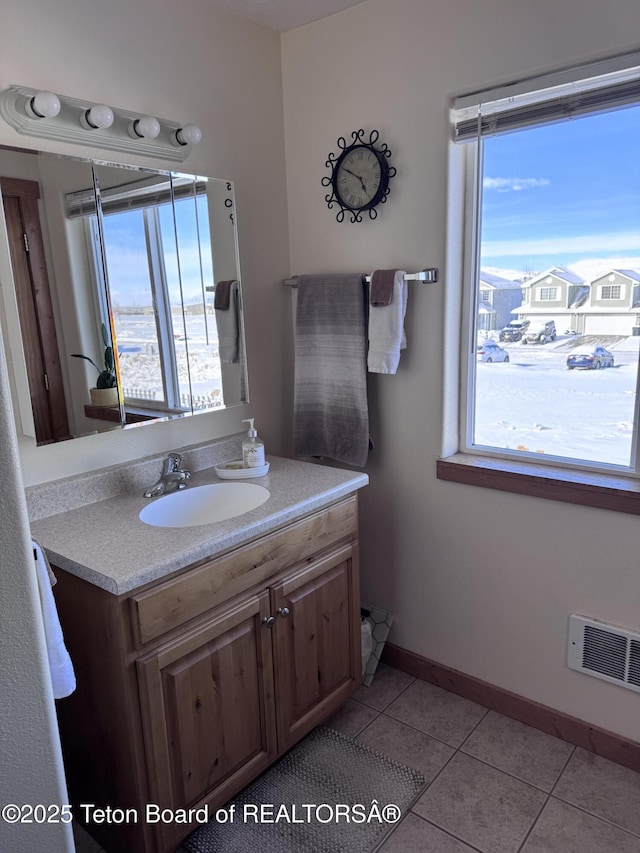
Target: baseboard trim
x: 576, y: 731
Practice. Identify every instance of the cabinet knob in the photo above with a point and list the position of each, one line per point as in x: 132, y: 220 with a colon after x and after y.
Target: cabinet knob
x: 283, y: 611
x: 268, y: 621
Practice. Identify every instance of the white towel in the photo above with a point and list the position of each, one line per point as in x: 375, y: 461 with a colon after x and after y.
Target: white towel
x: 63, y: 678
x: 386, y: 329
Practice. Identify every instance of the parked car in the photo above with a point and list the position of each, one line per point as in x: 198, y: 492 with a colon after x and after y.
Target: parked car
x: 514, y: 330
x: 540, y: 333
x: 490, y: 351
x: 590, y: 359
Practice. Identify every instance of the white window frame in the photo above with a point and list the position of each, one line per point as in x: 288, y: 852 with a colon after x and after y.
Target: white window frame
x: 548, y: 294
x: 163, y: 317
x: 619, y: 78
x: 606, y: 292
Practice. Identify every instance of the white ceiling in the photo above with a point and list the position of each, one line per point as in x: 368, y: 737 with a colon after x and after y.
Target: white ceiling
x: 284, y: 15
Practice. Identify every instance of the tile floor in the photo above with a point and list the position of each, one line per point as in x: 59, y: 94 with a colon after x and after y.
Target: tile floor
x: 493, y: 785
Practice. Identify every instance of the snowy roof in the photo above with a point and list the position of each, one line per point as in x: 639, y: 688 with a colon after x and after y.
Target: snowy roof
x: 559, y: 272
x: 497, y: 281
x: 632, y: 274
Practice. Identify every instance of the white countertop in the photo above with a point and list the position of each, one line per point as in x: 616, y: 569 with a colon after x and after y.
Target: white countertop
x: 106, y: 544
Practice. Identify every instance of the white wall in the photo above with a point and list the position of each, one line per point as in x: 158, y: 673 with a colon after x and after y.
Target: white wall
x: 479, y: 580
x: 31, y: 768
x: 181, y: 61
x: 186, y: 62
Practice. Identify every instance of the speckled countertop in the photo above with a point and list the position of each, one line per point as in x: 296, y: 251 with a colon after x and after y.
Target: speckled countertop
x: 106, y: 543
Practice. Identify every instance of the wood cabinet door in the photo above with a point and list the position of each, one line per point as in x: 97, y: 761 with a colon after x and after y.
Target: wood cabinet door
x: 316, y: 642
x: 208, y: 710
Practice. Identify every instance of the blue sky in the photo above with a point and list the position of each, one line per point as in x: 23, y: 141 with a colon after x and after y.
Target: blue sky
x: 563, y: 193
x: 127, y: 258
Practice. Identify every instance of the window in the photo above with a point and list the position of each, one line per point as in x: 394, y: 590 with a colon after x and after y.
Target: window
x: 547, y: 294
x: 485, y: 295
x: 611, y: 291
x: 158, y: 257
x: 553, y: 187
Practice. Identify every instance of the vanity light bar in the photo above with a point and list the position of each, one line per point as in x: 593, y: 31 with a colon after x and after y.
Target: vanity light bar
x: 50, y: 116
x: 429, y: 275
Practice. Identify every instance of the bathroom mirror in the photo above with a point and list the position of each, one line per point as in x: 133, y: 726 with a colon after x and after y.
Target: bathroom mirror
x: 133, y: 255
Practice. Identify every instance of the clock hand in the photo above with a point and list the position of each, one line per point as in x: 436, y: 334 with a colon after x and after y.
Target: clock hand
x: 358, y: 177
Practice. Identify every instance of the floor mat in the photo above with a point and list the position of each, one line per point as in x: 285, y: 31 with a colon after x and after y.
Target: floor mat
x: 329, y: 794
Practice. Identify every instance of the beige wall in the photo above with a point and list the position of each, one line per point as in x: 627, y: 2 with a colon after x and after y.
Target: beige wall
x: 479, y: 580
x: 188, y: 62
x: 462, y: 568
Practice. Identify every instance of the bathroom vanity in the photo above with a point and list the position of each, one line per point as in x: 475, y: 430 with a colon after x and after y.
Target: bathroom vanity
x: 194, y: 681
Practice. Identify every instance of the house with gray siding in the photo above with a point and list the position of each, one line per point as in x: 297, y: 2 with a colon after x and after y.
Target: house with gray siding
x: 497, y: 299
x: 553, y: 295
x: 613, y: 307
x: 607, y: 305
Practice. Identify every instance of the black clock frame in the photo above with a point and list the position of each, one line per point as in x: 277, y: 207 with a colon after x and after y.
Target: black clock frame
x: 334, y: 162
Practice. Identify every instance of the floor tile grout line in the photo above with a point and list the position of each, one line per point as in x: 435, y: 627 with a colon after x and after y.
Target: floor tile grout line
x: 449, y: 833
x: 475, y: 757
x: 459, y: 749
x: 533, y: 825
x: 452, y: 834
x: 561, y: 773
x: 432, y: 736
x: 608, y: 821
x: 412, y: 727
x: 507, y: 773
x: 391, y: 701
x: 368, y: 725
x: 430, y: 783
x: 481, y: 720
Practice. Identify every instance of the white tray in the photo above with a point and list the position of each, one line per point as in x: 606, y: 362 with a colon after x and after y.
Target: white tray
x: 236, y: 471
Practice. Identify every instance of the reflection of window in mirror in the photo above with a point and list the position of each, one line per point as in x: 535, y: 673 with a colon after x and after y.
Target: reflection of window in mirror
x: 158, y: 273
x: 163, y: 271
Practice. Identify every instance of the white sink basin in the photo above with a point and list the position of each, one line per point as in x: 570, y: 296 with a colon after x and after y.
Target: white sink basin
x: 204, y: 504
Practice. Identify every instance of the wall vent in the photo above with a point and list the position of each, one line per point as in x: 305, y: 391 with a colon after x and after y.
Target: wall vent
x: 604, y: 651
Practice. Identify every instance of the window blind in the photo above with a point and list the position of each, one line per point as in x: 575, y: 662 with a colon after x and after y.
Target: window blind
x: 133, y: 196
x: 544, y: 105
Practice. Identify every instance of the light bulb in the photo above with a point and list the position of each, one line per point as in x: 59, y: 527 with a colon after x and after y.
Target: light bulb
x: 43, y: 105
x: 146, y: 127
x: 98, y: 117
x: 190, y: 134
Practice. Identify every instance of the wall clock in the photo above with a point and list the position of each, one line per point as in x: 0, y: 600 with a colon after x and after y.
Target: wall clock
x: 360, y: 174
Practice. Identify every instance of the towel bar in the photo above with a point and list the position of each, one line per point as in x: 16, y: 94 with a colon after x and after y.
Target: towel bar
x: 428, y: 275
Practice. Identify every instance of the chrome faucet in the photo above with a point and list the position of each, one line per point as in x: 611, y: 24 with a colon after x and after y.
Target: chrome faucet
x: 173, y: 477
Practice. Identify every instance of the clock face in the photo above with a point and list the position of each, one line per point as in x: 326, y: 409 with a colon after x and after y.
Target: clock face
x: 360, y: 179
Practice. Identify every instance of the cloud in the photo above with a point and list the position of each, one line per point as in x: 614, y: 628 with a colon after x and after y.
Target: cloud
x: 586, y: 244
x: 506, y: 185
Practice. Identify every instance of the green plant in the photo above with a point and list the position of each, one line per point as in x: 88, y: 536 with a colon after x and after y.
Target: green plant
x: 106, y: 377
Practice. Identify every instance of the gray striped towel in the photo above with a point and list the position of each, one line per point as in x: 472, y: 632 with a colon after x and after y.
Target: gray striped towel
x: 330, y: 405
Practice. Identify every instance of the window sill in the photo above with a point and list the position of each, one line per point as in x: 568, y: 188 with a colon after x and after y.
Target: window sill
x: 602, y: 491
x: 112, y: 413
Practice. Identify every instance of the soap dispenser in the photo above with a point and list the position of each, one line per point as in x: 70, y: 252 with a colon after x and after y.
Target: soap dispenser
x: 252, y: 447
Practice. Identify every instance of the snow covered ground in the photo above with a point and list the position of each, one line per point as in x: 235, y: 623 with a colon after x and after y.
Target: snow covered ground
x: 198, y: 374
x: 534, y: 403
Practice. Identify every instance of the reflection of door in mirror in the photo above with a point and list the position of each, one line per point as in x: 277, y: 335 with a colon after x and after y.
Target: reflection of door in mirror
x: 33, y: 296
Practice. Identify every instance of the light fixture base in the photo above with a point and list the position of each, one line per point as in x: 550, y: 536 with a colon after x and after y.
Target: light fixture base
x: 66, y: 126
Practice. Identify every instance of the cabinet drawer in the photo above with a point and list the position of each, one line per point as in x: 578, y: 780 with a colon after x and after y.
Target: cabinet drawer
x: 172, y: 603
